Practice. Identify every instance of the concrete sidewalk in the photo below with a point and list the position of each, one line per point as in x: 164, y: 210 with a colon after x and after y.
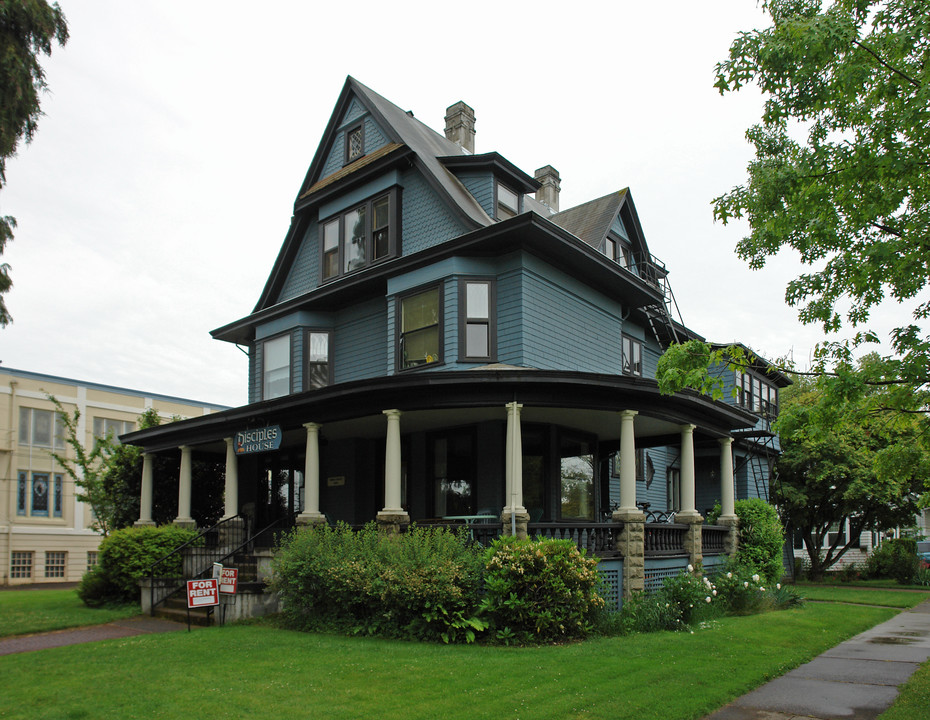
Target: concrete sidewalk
x: 139, y: 625
x: 856, y: 680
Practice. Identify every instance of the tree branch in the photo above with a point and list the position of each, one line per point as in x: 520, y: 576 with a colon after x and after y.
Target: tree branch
x: 890, y: 67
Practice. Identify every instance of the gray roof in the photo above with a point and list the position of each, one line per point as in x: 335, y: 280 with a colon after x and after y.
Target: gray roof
x: 590, y: 221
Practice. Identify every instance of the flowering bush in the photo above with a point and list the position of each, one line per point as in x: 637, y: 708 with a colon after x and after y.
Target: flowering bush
x: 540, y: 590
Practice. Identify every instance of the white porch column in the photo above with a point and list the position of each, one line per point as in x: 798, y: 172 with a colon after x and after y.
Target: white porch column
x: 184, y: 489
x: 231, y: 492
x: 727, y: 496
x: 687, y: 473
x: 514, y: 461
x: 392, y: 464
x: 145, y: 498
x: 311, y: 512
x: 627, y: 461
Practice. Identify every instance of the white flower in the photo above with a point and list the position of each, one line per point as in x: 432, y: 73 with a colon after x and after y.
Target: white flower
x: 778, y: 586
x: 755, y: 578
x: 692, y: 632
x: 729, y: 574
x: 762, y: 588
x: 715, y: 593
x: 745, y: 584
x: 690, y: 568
x: 707, y: 599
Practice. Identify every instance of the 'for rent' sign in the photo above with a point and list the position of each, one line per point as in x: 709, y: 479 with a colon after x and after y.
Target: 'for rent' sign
x: 202, y: 593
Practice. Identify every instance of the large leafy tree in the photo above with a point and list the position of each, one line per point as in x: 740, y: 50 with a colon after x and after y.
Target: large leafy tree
x: 841, y: 173
x: 28, y: 28
x: 843, y: 461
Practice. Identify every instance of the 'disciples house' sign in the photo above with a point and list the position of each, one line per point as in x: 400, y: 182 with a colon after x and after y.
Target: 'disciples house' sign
x: 258, y: 440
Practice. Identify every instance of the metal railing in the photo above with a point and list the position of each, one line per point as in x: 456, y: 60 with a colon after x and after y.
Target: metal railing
x: 664, y: 539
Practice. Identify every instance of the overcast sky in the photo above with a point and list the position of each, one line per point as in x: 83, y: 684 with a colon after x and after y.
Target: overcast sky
x: 155, y: 197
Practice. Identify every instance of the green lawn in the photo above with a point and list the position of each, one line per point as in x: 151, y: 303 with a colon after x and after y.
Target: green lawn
x: 861, y: 595
x: 30, y: 611
x: 242, y: 670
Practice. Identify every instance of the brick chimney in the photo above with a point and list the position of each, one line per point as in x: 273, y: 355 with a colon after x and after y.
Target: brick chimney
x: 460, y: 126
x: 548, y: 194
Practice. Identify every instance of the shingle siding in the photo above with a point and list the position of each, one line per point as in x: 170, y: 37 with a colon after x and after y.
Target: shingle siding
x: 360, y: 350
x: 427, y: 220
x: 481, y: 186
x: 305, y: 270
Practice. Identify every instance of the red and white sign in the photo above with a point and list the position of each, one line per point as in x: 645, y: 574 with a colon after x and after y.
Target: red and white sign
x: 229, y: 580
x: 202, y: 593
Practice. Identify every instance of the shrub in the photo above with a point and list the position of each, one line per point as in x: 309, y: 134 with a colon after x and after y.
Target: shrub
x: 540, y: 590
x: 125, y: 557
x: 424, y: 583
x: 761, y: 538
x: 895, y: 559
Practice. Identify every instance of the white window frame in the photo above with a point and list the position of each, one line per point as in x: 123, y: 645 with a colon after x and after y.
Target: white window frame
x: 269, y: 382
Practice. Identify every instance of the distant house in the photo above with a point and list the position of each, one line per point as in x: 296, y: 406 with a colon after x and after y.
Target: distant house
x: 438, y: 342
x: 45, y: 531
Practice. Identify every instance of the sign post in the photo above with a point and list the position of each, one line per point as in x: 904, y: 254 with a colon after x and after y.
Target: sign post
x: 202, y: 594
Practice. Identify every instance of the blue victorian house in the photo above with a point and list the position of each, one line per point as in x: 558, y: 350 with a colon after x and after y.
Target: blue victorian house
x: 438, y: 342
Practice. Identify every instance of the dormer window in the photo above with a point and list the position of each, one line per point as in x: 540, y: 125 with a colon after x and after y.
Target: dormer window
x: 619, y: 251
x: 355, y: 143
x: 359, y: 237
x: 508, y: 202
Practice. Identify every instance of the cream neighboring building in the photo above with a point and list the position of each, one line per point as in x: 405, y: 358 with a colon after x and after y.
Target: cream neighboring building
x: 45, y: 533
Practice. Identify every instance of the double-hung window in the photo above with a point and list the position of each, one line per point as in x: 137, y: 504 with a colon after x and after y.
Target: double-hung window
x: 359, y: 237
x: 319, y: 367
x: 104, y: 427
x: 40, y: 428
x: 507, y: 201
x: 477, y: 326
x: 276, y: 367
x: 632, y: 363
x: 420, y: 328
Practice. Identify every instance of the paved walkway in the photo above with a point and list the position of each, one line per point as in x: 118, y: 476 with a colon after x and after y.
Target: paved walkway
x: 856, y: 680
x: 140, y: 625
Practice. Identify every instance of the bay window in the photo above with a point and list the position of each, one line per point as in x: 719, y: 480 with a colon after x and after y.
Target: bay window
x: 420, y: 329
x: 319, y: 367
x: 276, y: 367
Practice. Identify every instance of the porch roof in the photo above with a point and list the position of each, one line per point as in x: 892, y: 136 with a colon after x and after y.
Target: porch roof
x: 585, y: 401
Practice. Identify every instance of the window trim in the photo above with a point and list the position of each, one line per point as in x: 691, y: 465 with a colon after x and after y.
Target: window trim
x: 398, y: 326
x: 393, y: 196
x: 290, y: 364
x: 347, y: 156
x: 465, y: 320
x: 21, y: 564
x: 634, y: 343
x: 60, y: 567
x: 329, y: 357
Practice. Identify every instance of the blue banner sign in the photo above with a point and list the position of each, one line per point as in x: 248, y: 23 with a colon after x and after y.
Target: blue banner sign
x: 258, y: 440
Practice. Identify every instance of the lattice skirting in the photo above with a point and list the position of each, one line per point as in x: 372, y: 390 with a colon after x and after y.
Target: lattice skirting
x: 611, y: 572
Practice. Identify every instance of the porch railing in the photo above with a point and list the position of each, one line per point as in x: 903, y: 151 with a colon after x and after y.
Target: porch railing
x: 665, y: 539
x: 713, y: 538
x: 596, y: 538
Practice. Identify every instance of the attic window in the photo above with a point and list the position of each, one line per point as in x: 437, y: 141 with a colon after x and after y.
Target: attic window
x: 355, y: 143
x: 508, y: 202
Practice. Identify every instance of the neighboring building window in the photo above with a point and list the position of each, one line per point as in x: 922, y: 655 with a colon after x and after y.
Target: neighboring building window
x: 319, y: 367
x: 276, y: 367
x: 508, y: 202
x: 40, y: 491
x: 91, y: 559
x: 114, y: 428
x: 756, y: 394
x: 21, y: 493
x: 355, y: 143
x: 359, y: 237
x: 55, y: 562
x: 632, y: 363
x: 477, y: 336
x: 40, y: 428
x: 21, y: 565
x: 420, y: 329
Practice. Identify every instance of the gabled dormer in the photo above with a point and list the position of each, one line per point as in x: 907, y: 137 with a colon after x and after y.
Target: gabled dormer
x: 497, y: 184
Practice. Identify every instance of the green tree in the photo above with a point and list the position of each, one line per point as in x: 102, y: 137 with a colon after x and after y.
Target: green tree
x: 27, y: 30
x: 844, y: 461
x: 87, y: 468
x: 841, y: 173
